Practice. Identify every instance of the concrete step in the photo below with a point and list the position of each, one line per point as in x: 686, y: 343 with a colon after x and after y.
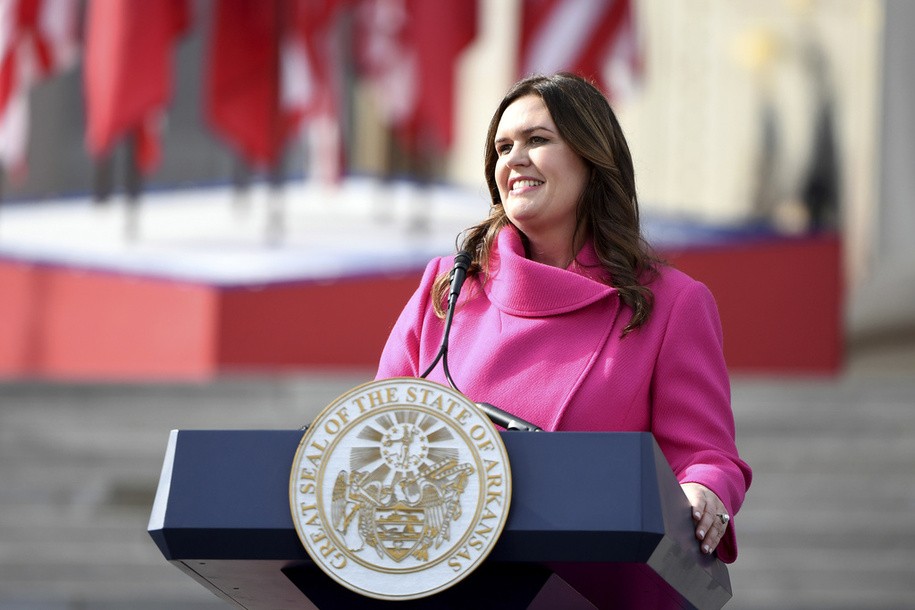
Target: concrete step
x: 828, y: 523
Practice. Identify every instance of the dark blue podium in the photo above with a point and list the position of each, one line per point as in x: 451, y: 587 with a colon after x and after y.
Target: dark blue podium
x: 596, y: 520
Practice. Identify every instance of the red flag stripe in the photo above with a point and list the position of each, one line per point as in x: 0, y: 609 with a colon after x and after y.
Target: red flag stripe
x: 590, y: 37
x: 127, y: 72
x: 243, y: 82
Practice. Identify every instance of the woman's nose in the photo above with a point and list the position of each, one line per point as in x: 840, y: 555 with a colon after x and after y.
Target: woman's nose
x: 516, y: 156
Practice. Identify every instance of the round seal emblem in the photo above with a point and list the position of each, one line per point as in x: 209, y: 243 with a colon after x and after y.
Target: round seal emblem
x: 400, y: 488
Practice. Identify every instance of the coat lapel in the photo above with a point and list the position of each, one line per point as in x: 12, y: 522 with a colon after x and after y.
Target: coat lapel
x: 539, y: 325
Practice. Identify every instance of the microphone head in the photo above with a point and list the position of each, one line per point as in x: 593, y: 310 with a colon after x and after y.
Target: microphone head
x: 462, y: 260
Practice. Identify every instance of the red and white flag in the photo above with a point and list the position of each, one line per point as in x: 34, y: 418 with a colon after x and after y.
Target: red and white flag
x: 409, y: 51
x: 310, y: 56
x: 311, y: 87
x: 38, y: 38
x: 273, y: 69
x: 597, y: 39
x: 127, y: 73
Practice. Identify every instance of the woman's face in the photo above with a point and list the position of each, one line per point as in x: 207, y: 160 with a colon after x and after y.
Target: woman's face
x: 540, y: 177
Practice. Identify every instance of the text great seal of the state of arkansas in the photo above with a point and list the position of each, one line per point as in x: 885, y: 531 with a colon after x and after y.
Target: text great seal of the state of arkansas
x: 400, y: 488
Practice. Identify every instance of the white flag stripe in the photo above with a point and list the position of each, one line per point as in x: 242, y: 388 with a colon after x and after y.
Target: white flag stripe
x: 14, y: 121
x: 297, y: 79
x: 56, y: 28
x: 559, y: 43
x: 57, y: 23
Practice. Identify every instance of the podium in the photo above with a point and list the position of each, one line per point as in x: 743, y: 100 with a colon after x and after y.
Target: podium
x: 597, y: 520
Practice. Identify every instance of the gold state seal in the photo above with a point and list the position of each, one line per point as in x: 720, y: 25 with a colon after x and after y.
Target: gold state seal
x: 400, y: 488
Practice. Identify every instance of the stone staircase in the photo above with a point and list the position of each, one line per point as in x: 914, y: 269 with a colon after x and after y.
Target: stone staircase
x: 829, y: 521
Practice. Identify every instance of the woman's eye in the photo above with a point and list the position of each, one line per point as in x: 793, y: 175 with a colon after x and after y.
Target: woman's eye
x: 537, y: 139
x: 503, y: 149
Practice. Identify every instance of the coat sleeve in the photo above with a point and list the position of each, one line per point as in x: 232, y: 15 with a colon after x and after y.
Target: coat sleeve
x: 403, y: 351
x: 691, y: 405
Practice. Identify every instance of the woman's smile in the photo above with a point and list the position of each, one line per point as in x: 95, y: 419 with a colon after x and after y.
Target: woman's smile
x: 520, y: 185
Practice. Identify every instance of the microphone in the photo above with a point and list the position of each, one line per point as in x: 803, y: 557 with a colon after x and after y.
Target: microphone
x: 506, y: 419
x: 458, y: 275
x: 495, y: 414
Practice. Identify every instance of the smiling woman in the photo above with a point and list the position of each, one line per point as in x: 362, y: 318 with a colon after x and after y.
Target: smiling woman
x: 569, y: 318
x: 540, y: 180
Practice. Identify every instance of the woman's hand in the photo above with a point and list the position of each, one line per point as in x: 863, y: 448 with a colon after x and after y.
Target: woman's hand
x: 709, y: 514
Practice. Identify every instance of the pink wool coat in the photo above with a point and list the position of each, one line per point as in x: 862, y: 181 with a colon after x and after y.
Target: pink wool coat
x: 546, y: 344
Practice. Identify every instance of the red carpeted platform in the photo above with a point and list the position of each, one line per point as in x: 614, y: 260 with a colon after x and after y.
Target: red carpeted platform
x: 780, y: 301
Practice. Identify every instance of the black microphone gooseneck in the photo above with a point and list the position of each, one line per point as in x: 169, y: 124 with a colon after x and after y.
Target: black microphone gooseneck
x: 458, y: 275
x: 496, y: 415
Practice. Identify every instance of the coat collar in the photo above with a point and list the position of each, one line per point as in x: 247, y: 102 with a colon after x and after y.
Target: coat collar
x: 522, y: 287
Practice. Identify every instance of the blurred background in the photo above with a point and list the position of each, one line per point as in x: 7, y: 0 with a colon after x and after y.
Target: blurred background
x: 212, y: 211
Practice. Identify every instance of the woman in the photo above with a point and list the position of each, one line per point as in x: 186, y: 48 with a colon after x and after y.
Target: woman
x: 567, y: 320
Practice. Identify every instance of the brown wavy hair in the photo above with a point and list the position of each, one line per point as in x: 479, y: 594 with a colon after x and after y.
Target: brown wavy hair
x: 608, y: 210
